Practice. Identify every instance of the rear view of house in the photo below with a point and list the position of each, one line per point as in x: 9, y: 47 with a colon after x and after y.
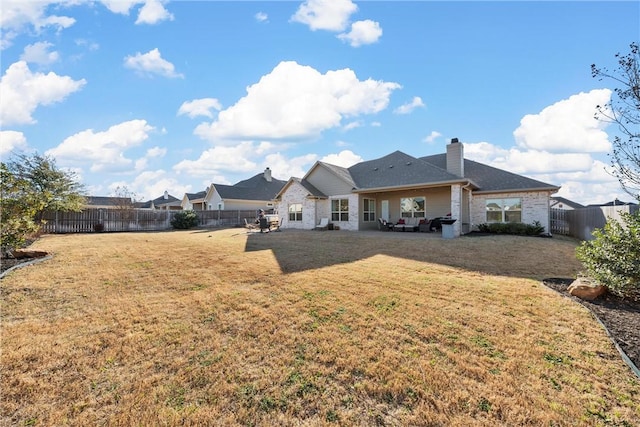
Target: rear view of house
x: 402, y: 186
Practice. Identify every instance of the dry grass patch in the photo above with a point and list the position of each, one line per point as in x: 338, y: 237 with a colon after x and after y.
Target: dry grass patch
x: 304, y: 328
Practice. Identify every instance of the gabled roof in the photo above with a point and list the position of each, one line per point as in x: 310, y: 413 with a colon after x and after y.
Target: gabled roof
x: 616, y: 202
x: 254, y: 188
x: 339, y: 171
x: 570, y: 203
x: 397, y: 170
x: 162, y: 201
x: 490, y: 179
x: 195, y: 196
x: 312, y: 191
x: 108, y: 201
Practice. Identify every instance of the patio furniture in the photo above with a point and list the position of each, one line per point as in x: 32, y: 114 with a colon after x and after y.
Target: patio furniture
x: 425, y: 226
x: 323, y: 225
x: 407, y: 224
x: 384, y: 225
x: 250, y: 225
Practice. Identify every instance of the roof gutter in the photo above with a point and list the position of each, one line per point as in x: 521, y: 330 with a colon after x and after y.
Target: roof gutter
x: 518, y: 190
x: 414, y: 186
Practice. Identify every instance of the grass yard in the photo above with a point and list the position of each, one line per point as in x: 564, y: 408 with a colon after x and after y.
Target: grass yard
x: 305, y: 328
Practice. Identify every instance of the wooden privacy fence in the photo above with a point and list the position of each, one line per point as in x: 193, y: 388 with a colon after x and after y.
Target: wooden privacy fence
x: 580, y: 223
x: 111, y: 220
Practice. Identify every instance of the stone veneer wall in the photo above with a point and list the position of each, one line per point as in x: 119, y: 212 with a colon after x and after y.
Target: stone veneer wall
x: 298, y: 194
x: 535, y: 207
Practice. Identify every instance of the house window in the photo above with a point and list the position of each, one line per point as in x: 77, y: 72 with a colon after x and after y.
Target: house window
x: 412, y: 207
x: 369, y: 210
x: 340, y: 210
x: 295, y: 212
x: 504, y: 210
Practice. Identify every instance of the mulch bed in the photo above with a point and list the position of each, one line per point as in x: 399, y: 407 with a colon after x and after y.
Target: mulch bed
x: 620, y: 316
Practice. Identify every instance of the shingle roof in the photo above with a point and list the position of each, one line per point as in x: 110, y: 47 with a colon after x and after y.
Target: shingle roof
x: 310, y: 188
x: 341, y: 172
x: 162, y: 201
x: 397, y: 169
x: 108, y: 201
x: 254, y: 188
x: 195, y: 196
x: 488, y: 178
x: 567, y: 202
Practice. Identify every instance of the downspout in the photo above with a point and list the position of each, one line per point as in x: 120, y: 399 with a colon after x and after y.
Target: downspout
x: 466, y: 187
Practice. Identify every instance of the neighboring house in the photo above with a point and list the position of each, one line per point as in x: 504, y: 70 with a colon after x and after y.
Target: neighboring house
x: 616, y: 202
x: 164, y: 202
x: 564, y: 204
x: 254, y: 193
x: 194, y: 201
x: 401, y: 186
x: 104, y: 202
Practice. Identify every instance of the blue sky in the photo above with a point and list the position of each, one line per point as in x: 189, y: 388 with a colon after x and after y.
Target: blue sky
x: 157, y: 95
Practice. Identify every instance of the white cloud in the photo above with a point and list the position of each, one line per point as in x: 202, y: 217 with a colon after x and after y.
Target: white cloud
x: 90, y: 45
x: 23, y: 91
x: 38, y: 53
x: 261, y: 17
x: 331, y: 15
x: 345, y: 158
x: 352, y: 125
x: 149, y: 185
x: 561, y: 145
x: 362, y: 32
x: 120, y: 6
x: 432, y: 137
x: 567, y: 126
x: 103, y: 150
x: 153, y: 12
x: 295, y: 101
x: 220, y: 158
x: 156, y: 152
x: 199, y: 107
x: 409, y: 106
x: 11, y: 140
x: 527, y: 162
x: 284, y: 168
x: 376, y: 124
x: 151, y: 63
x: 19, y: 16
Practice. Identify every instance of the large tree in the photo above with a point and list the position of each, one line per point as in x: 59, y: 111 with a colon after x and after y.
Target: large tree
x: 624, y: 110
x: 30, y: 185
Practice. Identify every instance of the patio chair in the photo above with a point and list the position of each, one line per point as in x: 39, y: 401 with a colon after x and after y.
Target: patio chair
x: 383, y: 225
x: 250, y: 225
x: 323, y: 225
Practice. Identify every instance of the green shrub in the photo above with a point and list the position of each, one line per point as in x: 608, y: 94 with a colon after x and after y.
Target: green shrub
x: 613, y: 256
x: 518, y: 228
x: 184, y: 220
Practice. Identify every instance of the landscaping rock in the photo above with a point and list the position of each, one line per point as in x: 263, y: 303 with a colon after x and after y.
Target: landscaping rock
x: 586, y: 289
x: 21, y: 253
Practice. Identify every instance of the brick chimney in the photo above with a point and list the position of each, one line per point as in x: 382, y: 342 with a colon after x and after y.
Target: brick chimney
x: 267, y: 174
x: 166, y: 195
x: 455, y: 158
